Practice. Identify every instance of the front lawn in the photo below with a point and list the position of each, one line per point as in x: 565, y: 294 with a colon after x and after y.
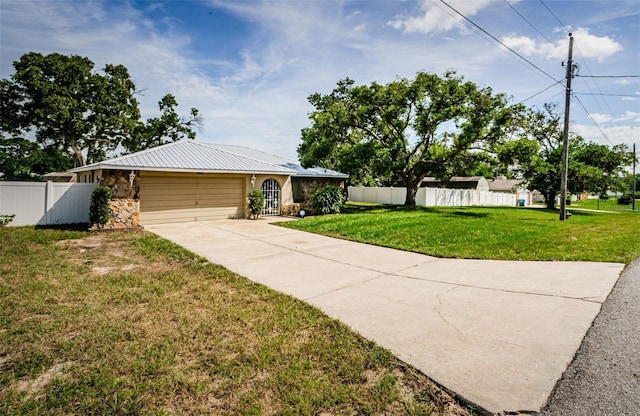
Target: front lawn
x: 127, y: 324
x: 486, y: 232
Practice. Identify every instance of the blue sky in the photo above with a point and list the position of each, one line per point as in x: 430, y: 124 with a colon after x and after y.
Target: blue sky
x: 249, y: 66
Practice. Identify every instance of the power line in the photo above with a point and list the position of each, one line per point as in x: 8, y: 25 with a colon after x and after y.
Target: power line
x: 531, y: 24
x: 593, y: 121
x: 594, y: 83
x: 609, y: 76
x: 606, y: 95
x: 552, y: 13
x: 497, y: 40
x: 538, y: 93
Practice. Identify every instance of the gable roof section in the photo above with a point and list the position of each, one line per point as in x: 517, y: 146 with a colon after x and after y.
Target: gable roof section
x: 504, y: 185
x: 281, y: 161
x: 188, y: 156
x: 456, y: 182
x: 191, y: 156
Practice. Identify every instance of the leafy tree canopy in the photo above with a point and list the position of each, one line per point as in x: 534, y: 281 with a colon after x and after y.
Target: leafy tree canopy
x: 404, y: 130
x: 536, y: 155
x: 72, y: 110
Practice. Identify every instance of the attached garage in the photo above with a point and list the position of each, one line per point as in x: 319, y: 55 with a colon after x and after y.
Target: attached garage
x: 189, y: 181
x: 184, y: 197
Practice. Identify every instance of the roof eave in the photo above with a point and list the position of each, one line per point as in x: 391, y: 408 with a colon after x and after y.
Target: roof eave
x: 178, y: 170
x: 303, y: 175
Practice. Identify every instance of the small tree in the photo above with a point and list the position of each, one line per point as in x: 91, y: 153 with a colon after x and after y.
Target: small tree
x: 99, y: 208
x: 256, y: 203
x: 327, y: 200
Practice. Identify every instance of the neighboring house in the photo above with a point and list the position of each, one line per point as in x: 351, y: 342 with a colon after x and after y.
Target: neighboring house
x: 512, y: 186
x: 502, y: 184
x: 60, y: 177
x: 192, y: 181
x: 458, y: 182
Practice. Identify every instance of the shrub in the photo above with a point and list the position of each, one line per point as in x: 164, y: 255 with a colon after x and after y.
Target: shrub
x: 256, y: 203
x: 6, y: 219
x: 624, y: 200
x: 327, y: 200
x: 99, y: 208
x: 604, y: 197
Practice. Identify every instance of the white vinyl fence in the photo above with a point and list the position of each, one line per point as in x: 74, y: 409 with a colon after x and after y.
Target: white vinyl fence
x: 431, y: 197
x: 46, y: 203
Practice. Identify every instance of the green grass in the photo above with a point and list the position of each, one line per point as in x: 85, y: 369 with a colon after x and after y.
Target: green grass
x: 125, y: 324
x: 610, y: 204
x: 487, y: 232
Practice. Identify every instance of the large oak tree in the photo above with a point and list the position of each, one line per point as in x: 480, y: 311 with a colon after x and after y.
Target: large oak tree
x: 69, y: 108
x: 404, y: 130
x: 536, y: 155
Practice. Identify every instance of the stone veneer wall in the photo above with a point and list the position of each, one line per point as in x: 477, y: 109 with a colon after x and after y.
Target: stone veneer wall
x: 292, y: 210
x: 124, y: 207
x: 303, y: 190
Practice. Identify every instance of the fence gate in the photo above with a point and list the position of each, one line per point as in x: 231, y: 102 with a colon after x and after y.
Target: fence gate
x: 271, y: 191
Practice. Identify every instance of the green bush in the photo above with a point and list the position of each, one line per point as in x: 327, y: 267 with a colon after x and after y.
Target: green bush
x: 327, y: 200
x: 99, y: 208
x: 256, y: 203
x: 624, y: 200
x: 6, y: 219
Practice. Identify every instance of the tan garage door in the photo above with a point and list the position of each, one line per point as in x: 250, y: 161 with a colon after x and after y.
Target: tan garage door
x: 166, y: 198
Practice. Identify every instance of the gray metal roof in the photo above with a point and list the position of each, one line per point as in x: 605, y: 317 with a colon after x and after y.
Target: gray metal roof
x: 281, y: 161
x: 191, y: 156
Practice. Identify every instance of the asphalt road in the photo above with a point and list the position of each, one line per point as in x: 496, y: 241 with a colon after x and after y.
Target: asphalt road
x: 604, y: 377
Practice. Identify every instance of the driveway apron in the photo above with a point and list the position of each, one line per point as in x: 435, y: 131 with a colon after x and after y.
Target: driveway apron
x: 497, y: 333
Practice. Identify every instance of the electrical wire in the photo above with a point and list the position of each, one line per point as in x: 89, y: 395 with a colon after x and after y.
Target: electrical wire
x: 592, y: 120
x: 538, y: 93
x: 594, y: 82
x: 606, y: 95
x: 497, y: 40
x: 474, y: 30
x: 586, y: 76
x: 531, y: 24
x: 553, y: 14
x: 609, y: 76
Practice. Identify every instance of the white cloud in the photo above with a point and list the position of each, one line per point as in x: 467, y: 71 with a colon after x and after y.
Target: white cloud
x: 585, y: 44
x: 601, y: 118
x: 121, y: 35
x: 289, y: 50
x: 632, y: 116
x: 438, y: 18
x: 625, y: 134
x: 530, y: 47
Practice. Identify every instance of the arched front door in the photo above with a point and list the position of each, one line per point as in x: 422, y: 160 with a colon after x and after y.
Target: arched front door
x: 271, y: 191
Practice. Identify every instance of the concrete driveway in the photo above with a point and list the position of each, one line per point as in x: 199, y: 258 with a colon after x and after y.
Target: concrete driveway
x: 497, y: 333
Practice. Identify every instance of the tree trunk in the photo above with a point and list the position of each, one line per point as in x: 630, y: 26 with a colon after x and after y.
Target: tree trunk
x: 550, y: 199
x: 78, y: 153
x: 410, y: 200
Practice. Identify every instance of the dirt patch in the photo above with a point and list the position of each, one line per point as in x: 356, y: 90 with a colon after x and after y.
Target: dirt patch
x: 104, y: 255
x: 33, y: 387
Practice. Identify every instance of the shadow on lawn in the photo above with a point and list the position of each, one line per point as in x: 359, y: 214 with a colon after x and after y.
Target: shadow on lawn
x: 64, y: 227
x: 378, y: 208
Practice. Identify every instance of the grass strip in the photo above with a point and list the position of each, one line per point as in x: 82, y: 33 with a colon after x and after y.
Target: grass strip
x: 504, y: 233
x: 111, y: 323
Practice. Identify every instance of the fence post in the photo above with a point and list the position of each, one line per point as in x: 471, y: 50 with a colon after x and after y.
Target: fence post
x: 48, y: 202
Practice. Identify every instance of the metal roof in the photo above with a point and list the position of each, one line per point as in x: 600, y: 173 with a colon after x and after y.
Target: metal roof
x: 191, y: 156
x: 281, y: 161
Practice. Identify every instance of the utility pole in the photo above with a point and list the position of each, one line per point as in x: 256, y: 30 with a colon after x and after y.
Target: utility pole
x: 633, y: 194
x: 565, y: 148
